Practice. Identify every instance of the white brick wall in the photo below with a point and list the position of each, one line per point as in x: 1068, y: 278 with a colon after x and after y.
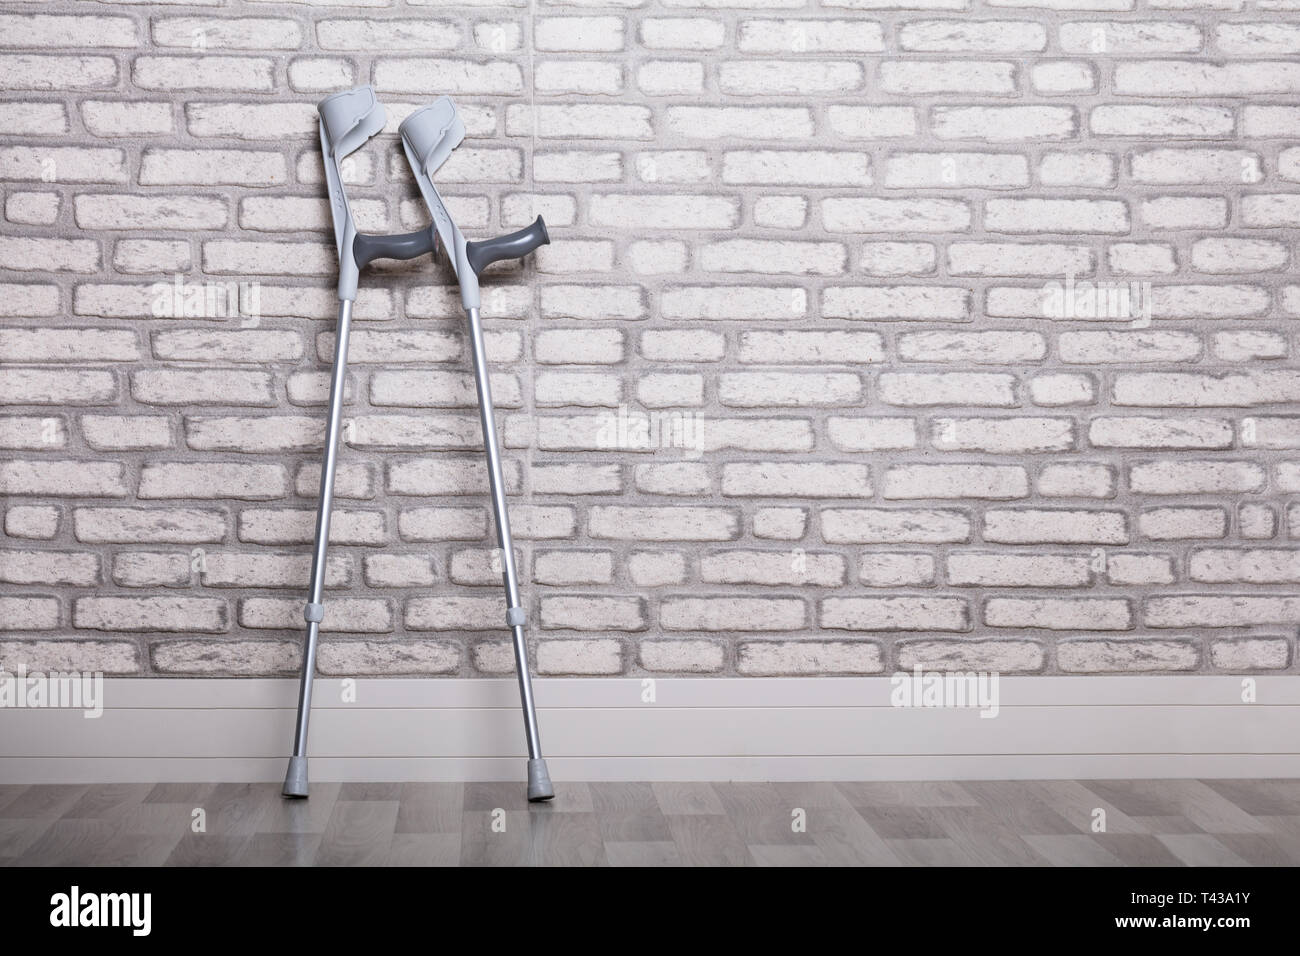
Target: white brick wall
x: 793, y: 391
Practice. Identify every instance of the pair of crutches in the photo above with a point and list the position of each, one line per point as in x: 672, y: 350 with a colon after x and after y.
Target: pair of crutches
x: 347, y: 121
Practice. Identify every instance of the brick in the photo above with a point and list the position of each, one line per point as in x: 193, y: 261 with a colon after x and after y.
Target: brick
x: 792, y: 389
x: 203, y: 73
x: 77, y: 569
x: 367, y: 615
x: 990, y: 569
x: 1003, y: 436
x: 1118, y: 37
x: 143, y: 569
x: 895, y: 614
x: 588, y: 121
x: 1251, y: 654
x: 33, y: 209
x: 999, y: 348
x: 956, y: 170
x: 1127, y: 656
x: 694, y: 657
x: 1090, y: 348
x: 803, y: 167
x: 681, y: 33
x: 593, y: 656
x: 69, y: 479
x: 1226, y: 610
x: 448, y: 76
x: 732, y: 302
x: 64, y: 655
x: 911, y: 302
x: 22, y: 254
x: 872, y: 122
x: 895, y: 215
x: 1195, y: 477
x: 1172, y: 524
x: 37, y: 522
x: 387, y: 35
x: 151, y: 614
x: 1147, y: 432
x: 69, y: 345
x: 922, y: 78
x: 1054, y: 526
x: 1076, y: 169
x: 1243, y: 566
x: 1062, y: 389
x: 771, y: 658
x: 808, y: 36
x: 789, y: 77
x: 955, y: 481
x: 1004, y: 124
x: 41, y: 72
x: 249, y: 482
x: 1196, y: 166
x: 732, y: 614
x: 664, y: 212
x: 209, y: 387
x: 568, y: 568
x: 1018, y: 259
x: 1189, y: 122
x: 1185, y: 212
x: 671, y: 78
x: 28, y: 119
x: 1059, y: 614
x: 871, y: 434
x: 896, y: 570
x: 894, y: 526
x: 212, y: 167
x: 913, y: 389
x: 126, y: 432
x: 150, y: 525
x: 28, y: 613
x: 153, y: 212
x: 656, y: 568
x: 675, y: 523
x: 1056, y: 215
x: 776, y: 479
x: 998, y: 656
x: 740, y: 122
x: 1198, y: 78
x: 1062, y: 77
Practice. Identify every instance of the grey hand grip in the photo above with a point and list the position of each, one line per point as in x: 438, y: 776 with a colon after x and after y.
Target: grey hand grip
x: 482, y: 254
x: 366, y: 248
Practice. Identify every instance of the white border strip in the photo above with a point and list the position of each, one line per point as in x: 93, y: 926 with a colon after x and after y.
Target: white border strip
x: 694, y: 729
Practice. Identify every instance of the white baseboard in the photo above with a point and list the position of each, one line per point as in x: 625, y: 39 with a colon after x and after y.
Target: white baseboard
x: 695, y: 729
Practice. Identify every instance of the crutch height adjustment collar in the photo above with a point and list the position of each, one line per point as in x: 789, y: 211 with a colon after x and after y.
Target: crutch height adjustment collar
x: 313, y: 613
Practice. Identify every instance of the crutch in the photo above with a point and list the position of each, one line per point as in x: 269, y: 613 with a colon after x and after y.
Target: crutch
x: 347, y: 120
x: 424, y: 136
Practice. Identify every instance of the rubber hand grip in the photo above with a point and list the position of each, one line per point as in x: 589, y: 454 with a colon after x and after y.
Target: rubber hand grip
x: 366, y: 248
x: 480, y: 255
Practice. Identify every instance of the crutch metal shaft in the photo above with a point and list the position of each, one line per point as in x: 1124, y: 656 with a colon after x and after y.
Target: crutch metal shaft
x: 514, y: 613
x: 295, y: 781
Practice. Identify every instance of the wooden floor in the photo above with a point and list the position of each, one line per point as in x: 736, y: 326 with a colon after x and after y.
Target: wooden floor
x: 1029, y: 823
